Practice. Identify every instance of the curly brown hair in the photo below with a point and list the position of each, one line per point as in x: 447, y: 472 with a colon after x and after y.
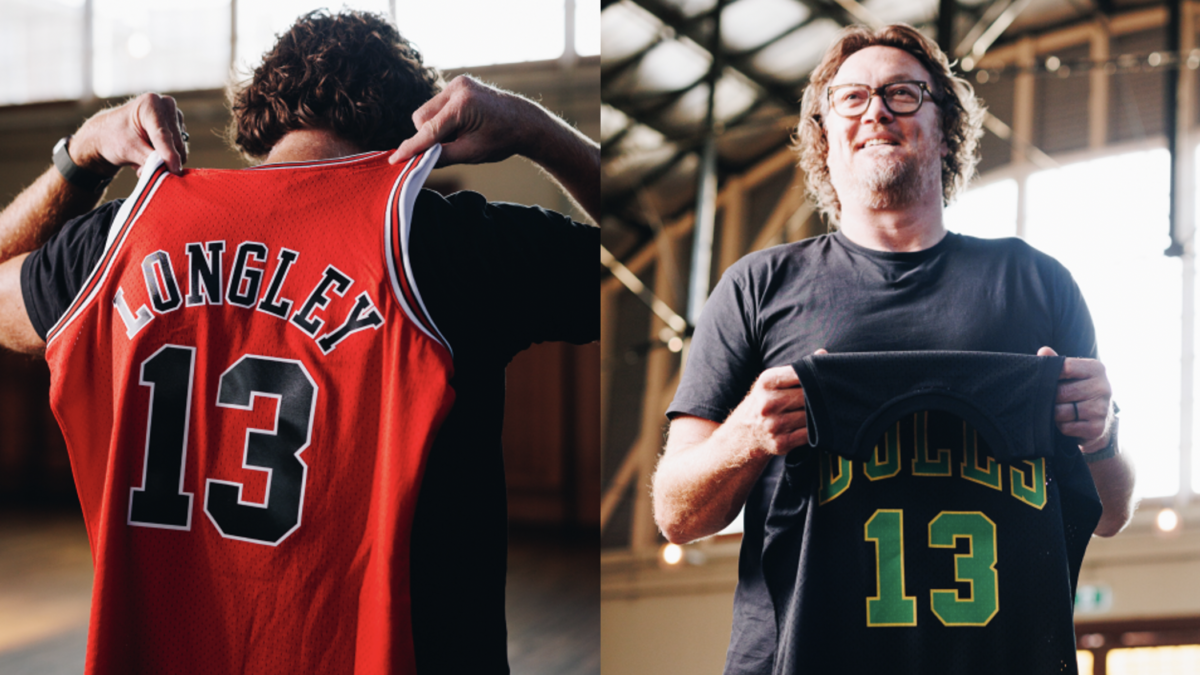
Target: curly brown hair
x: 351, y: 73
x: 961, y: 113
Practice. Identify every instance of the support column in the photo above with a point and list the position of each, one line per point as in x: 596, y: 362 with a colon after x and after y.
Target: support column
x: 1185, y: 227
x: 1023, y: 123
x: 706, y: 191
x: 88, y: 50
x: 1098, y: 94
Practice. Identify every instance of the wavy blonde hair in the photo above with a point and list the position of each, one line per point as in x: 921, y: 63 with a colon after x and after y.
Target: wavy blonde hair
x: 960, y: 112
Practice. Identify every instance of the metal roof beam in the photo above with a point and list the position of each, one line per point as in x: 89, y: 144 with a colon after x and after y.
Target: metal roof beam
x: 994, y: 31
x: 614, y: 70
x: 686, y: 146
x: 691, y: 30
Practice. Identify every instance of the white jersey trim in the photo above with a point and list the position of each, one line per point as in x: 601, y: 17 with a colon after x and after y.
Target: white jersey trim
x: 408, y: 184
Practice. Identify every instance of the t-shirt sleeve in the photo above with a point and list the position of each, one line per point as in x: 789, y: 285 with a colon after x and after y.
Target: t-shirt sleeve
x: 52, y: 275
x: 1074, y: 333
x: 725, y: 355
x: 497, y: 277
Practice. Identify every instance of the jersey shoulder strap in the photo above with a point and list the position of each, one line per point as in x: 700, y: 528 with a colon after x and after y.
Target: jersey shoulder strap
x: 154, y: 171
x: 397, y: 234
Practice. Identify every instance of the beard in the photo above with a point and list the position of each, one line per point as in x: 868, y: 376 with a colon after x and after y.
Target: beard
x: 889, y: 183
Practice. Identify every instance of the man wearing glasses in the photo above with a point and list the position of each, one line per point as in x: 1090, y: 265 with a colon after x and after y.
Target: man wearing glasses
x: 944, y: 571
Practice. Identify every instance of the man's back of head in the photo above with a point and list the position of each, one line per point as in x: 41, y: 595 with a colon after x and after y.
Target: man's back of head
x: 349, y: 73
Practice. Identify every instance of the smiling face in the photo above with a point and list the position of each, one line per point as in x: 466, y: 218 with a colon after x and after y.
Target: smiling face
x: 882, y: 160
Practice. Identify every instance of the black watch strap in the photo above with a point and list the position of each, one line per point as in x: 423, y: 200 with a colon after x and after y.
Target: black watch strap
x: 75, y: 174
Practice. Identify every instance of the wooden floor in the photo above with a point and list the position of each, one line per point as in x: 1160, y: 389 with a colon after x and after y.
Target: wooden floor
x: 46, y: 578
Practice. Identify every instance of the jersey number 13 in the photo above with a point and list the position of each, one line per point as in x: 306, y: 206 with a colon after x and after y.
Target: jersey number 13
x: 892, y: 606
x: 161, y: 501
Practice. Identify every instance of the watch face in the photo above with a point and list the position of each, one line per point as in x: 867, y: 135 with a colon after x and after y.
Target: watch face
x: 62, y: 143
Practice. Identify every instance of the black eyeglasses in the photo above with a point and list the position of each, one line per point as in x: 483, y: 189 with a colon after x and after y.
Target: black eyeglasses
x: 900, y: 98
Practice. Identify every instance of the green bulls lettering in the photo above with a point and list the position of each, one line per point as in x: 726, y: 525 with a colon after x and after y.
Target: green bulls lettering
x: 836, y: 474
x: 889, y: 465
x: 923, y: 464
x: 1026, y: 478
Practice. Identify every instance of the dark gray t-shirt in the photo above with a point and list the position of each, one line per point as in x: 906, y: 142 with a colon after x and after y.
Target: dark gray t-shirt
x: 774, y: 307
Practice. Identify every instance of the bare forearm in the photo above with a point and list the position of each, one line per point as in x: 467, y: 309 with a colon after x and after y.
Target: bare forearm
x: 699, y: 488
x: 572, y: 159
x: 110, y: 139
x: 39, y: 211
x: 708, y: 469
x: 478, y: 124
x: 1114, y: 482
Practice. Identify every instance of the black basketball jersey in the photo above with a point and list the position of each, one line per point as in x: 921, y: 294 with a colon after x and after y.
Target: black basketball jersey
x: 937, y: 523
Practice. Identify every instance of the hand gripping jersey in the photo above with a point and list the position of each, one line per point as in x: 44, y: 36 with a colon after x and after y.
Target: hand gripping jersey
x: 249, y: 387
x: 937, y: 523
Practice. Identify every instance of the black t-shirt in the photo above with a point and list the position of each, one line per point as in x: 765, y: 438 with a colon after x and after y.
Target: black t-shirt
x: 495, y: 278
x: 774, y: 307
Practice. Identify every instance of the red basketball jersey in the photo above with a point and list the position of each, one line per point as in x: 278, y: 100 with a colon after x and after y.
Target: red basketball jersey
x: 249, y: 385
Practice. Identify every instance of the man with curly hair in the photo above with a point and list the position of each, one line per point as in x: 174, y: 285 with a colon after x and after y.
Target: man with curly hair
x: 929, y: 555
x: 282, y: 387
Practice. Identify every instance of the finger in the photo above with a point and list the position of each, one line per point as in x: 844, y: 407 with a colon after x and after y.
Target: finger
x: 782, y: 401
x: 426, y: 136
x: 1086, y: 431
x: 821, y: 352
x: 786, y: 440
x: 796, y: 439
x: 787, y: 423
x: 1076, y: 369
x: 173, y: 121
x: 1046, y: 351
x: 162, y: 138
x: 430, y: 121
x: 1088, y: 410
x: 431, y: 108
x: 135, y: 152
x: 1063, y: 413
x: 464, y: 150
x: 166, y: 117
x: 183, y: 146
x: 1082, y: 390
x: 779, y: 377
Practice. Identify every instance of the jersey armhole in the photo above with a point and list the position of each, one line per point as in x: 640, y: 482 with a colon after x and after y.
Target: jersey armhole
x: 154, y: 171
x: 397, y: 231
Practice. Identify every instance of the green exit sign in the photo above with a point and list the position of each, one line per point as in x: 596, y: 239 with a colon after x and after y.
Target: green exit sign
x: 1093, y: 599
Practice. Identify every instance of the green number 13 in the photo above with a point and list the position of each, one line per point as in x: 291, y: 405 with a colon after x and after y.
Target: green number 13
x: 977, y: 568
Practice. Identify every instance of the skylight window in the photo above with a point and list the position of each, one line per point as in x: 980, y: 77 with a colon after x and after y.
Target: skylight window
x: 795, y: 54
x: 743, y: 27
x: 625, y: 30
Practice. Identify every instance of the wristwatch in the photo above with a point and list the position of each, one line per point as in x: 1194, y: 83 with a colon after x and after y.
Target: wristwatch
x: 1110, y: 450
x: 75, y: 174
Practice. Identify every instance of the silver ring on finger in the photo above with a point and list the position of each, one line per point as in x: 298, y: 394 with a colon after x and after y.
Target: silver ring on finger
x: 1076, y: 405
